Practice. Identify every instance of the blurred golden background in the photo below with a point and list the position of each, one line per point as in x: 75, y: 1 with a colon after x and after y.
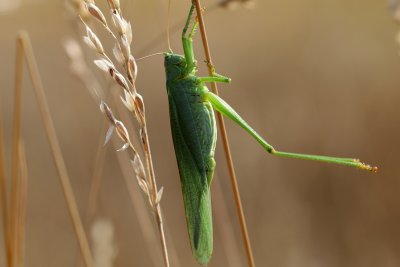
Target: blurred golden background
x: 311, y: 76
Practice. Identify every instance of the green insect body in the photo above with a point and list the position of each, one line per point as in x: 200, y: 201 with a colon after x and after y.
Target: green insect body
x: 194, y: 136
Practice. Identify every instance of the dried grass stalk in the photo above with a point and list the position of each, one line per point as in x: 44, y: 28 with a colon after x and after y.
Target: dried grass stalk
x: 15, y: 157
x: 228, y: 156
x: 24, y: 48
x: 144, y: 220
x: 96, y: 178
x: 4, y: 198
x: 20, y: 208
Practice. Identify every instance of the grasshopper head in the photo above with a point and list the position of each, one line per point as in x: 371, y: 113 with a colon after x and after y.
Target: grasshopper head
x: 175, y: 66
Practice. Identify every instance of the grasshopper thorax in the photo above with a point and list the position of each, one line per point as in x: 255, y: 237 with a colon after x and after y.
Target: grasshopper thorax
x: 175, y: 66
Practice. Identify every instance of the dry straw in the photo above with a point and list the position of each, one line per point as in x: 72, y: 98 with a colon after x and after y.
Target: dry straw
x: 4, y: 198
x: 18, y: 209
x: 15, y: 230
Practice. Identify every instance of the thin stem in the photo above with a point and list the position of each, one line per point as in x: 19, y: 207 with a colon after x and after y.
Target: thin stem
x: 141, y: 117
x: 153, y: 185
x: 19, y: 212
x: 168, y: 24
x: 24, y: 44
x: 95, y: 184
x: 137, y: 202
x: 15, y: 148
x: 227, y: 232
x: 162, y: 234
x: 145, y: 224
x: 231, y: 170
x: 96, y: 177
x: 3, y: 188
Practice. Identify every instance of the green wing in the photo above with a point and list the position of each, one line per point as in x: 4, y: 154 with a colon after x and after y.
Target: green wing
x: 195, y: 172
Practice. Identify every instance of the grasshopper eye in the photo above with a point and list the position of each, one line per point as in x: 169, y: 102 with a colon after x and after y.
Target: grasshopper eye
x: 180, y: 63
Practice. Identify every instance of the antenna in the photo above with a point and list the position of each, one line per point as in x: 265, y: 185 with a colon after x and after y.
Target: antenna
x: 155, y: 54
x: 168, y: 23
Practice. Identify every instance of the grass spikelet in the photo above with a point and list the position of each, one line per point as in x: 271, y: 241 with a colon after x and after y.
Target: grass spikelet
x: 132, y: 100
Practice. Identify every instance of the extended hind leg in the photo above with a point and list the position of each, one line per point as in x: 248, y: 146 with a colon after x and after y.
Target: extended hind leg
x: 223, y: 107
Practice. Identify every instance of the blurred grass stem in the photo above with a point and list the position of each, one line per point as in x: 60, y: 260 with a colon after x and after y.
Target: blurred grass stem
x: 20, y: 208
x: 24, y: 48
x: 96, y: 177
x: 4, y: 199
x: 228, y: 156
x: 137, y: 202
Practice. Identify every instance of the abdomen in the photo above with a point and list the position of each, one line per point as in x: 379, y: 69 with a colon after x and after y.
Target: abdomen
x: 194, y: 134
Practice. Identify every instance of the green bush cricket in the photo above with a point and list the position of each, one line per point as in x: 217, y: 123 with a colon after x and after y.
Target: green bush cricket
x: 194, y: 134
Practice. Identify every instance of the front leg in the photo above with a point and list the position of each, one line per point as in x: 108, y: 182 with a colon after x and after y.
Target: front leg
x: 187, y: 42
x: 215, y: 78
